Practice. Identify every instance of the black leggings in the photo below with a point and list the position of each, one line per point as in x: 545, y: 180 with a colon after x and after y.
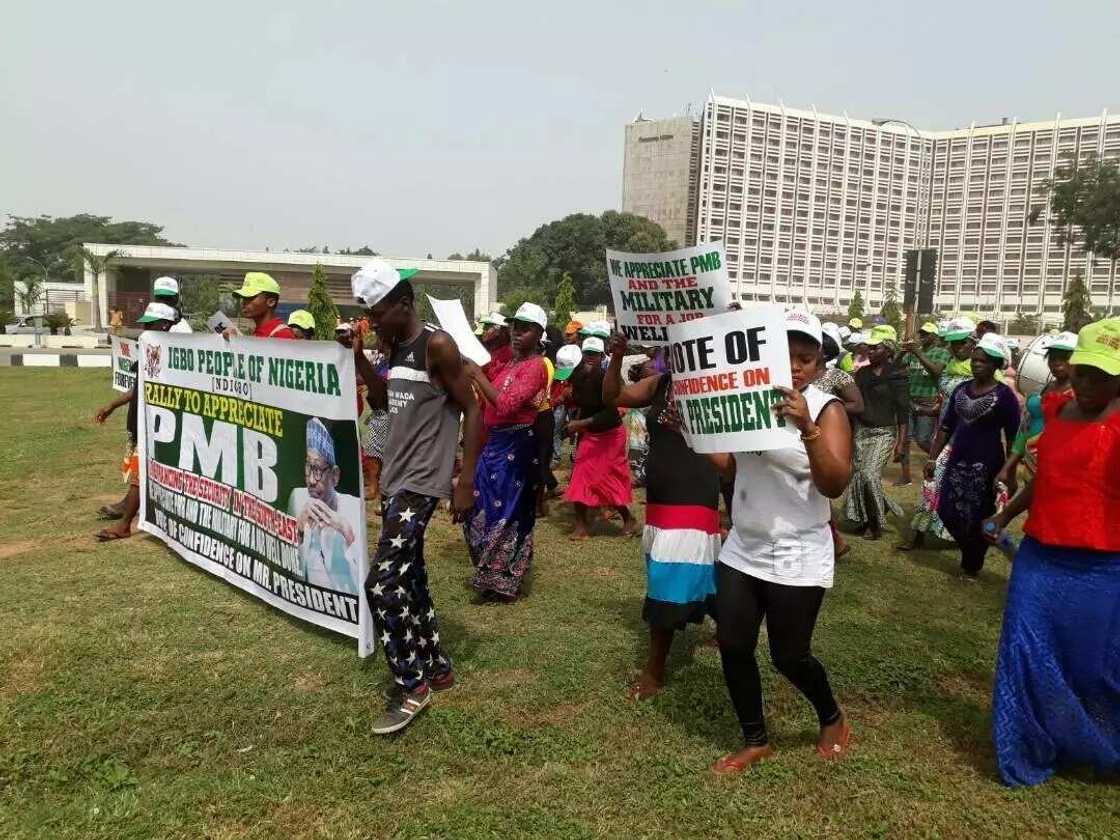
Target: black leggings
x: 791, y: 614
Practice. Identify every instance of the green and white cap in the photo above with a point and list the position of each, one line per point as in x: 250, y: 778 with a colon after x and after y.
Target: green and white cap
x: 568, y: 358
x: 158, y: 312
x: 165, y: 287
x: 958, y: 329
x: 494, y: 319
x: 995, y: 345
x: 1061, y: 341
x: 370, y: 283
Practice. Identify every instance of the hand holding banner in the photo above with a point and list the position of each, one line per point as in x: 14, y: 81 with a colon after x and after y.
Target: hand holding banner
x: 724, y: 371
x: 654, y: 291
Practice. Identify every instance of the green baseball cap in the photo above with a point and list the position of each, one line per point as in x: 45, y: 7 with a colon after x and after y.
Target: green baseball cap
x: 1098, y: 345
x: 881, y: 333
x: 929, y: 327
x: 255, y: 283
x: 301, y: 318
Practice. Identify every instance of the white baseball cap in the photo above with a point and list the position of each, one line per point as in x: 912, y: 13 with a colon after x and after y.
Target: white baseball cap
x: 593, y: 344
x: 375, y: 279
x: 531, y: 313
x: 600, y: 329
x: 806, y: 323
x: 568, y: 358
x: 165, y: 287
x: 494, y: 319
x: 158, y: 312
x: 994, y: 345
x: 1061, y: 341
x: 844, y: 333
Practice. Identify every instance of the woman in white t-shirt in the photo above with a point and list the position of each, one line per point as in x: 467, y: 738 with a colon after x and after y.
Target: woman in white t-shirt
x: 778, y: 559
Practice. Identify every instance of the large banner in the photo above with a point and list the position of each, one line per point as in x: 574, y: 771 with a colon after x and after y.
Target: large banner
x: 124, y: 352
x: 251, y: 469
x: 654, y: 291
x: 724, y: 372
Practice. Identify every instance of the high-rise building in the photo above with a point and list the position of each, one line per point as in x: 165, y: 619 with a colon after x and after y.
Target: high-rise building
x: 660, y: 168
x: 813, y: 207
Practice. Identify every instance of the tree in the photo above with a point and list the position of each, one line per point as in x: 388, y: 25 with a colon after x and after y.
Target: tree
x: 1024, y: 323
x: 364, y: 251
x: 512, y: 300
x: 202, y: 294
x: 474, y: 256
x: 1087, y: 197
x: 564, y: 302
x: 97, y: 266
x: 320, y: 305
x: 55, y: 243
x: 56, y: 320
x: 576, y: 244
x: 1077, y: 306
x: 855, y: 308
x: 891, y: 311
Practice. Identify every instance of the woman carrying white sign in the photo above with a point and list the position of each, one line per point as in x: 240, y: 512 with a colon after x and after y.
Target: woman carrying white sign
x: 778, y: 559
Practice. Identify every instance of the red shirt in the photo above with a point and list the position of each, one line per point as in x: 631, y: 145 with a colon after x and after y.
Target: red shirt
x: 1077, y: 484
x: 520, y: 386
x: 274, y: 329
x: 498, y: 359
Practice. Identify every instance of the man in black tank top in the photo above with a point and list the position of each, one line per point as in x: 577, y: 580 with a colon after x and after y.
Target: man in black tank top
x: 426, y: 392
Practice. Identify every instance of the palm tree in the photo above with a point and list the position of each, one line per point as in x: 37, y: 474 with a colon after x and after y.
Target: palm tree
x: 98, y: 265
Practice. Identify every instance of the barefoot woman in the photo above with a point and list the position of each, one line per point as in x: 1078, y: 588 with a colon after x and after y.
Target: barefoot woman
x: 680, y: 541
x: 778, y: 559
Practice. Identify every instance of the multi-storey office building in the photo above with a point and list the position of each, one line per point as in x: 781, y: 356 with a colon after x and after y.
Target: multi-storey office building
x: 814, y: 207
x: 660, y: 171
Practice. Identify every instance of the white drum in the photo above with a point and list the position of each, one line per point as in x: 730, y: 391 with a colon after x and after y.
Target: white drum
x: 1033, y: 371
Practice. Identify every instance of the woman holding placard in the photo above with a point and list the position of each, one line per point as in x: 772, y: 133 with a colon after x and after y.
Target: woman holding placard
x: 680, y: 540
x: 778, y: 559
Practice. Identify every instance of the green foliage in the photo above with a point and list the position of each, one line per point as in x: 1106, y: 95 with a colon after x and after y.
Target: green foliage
x: 321, y: 306
x: 512, y: 300
x: 56, y: 243
x: 203, y: 294
x: 56, y: 320
x: 855, y: 308
x: 7, y: 316
x: 1077, y: 305
x: 1024, y: 323
x: 577, y: 244
x: 7, y: 282
x: 891, y: 311
x: 1088, y: 197
x: 564, y: 302
x: 364, y: 251
x: 475, y: 256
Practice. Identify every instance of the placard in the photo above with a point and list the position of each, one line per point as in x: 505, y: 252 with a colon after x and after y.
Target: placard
x: 124, y: 352
x: 654, y: 291
x: 453, y: 321
x: 724, y: 371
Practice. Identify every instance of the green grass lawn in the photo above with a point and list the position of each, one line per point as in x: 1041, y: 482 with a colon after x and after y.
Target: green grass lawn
x: 140, y: 697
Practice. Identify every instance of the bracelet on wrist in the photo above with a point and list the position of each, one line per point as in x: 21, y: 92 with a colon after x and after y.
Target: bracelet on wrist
x: 811, y: 435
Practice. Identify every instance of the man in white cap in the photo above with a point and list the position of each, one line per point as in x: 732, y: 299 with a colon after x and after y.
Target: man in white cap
x: 166, y: 290
x: 159, y: 317
x: 426, y: 393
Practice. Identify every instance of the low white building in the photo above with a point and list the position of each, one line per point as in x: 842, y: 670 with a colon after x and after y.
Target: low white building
x: 127, y: 283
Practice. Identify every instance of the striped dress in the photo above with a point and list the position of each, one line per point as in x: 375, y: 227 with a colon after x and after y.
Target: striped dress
x: 681, y: 540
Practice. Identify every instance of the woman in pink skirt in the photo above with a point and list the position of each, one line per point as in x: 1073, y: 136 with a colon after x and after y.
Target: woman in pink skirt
x: 601, y: 477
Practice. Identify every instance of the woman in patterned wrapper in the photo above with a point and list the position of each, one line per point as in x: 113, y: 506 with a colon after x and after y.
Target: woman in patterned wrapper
x: 329, y: 551
x: 980, y: 422
x: 499, y: 529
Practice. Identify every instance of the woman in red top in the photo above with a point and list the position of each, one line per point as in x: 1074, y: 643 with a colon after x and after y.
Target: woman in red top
x: 499, y: 530
x: 1057, y: 686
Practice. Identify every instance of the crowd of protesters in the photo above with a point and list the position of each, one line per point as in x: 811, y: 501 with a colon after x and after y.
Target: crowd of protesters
x: 490, y: 440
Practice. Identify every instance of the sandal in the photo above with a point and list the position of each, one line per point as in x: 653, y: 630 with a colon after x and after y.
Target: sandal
x: 106, y: 535
x: 730, y: 765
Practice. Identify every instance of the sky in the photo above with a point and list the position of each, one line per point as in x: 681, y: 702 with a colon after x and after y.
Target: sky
x: 431, y: 127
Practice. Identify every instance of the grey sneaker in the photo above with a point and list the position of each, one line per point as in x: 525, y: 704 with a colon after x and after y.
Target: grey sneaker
x: 401, y: 708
